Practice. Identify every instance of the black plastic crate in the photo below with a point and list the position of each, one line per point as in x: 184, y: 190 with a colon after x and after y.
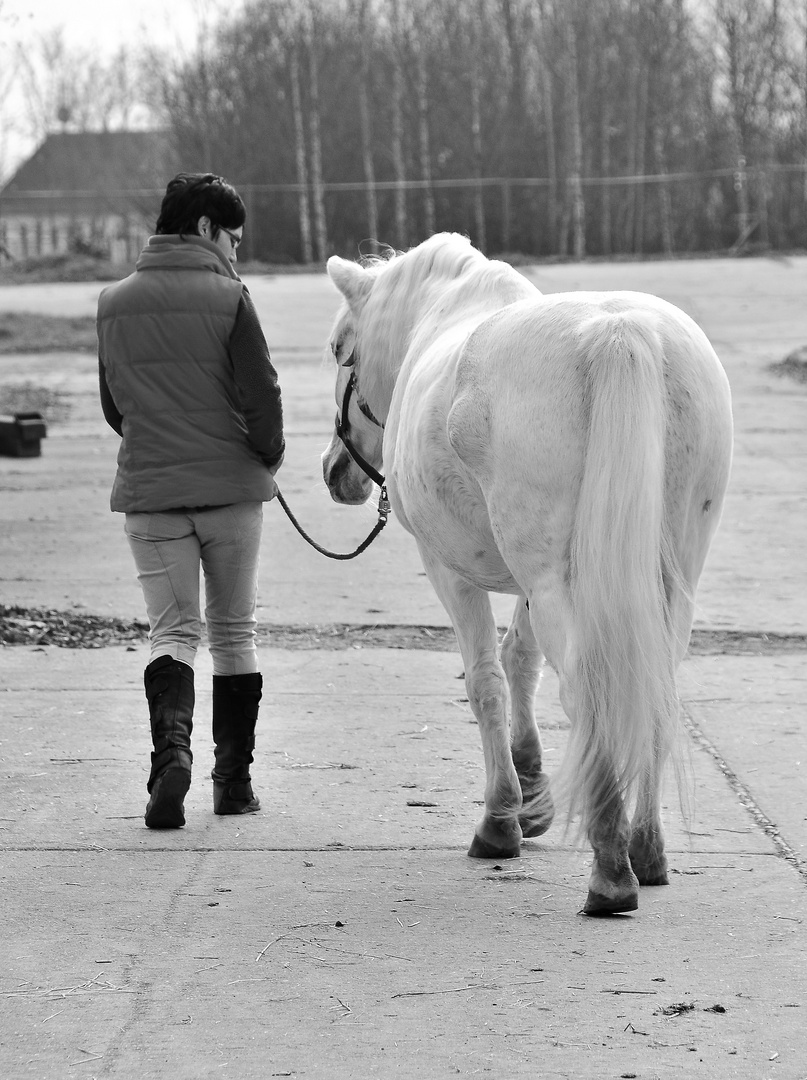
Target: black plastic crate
x: 21, y: 434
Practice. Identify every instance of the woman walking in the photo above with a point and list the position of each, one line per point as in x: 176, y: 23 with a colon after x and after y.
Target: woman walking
x: 186, y: 380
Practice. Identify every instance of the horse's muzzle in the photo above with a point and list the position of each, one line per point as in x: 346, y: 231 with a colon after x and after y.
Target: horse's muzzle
x: 345, y: 481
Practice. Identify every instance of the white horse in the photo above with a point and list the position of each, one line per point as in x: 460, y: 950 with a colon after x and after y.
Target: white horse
x: 572, y: 450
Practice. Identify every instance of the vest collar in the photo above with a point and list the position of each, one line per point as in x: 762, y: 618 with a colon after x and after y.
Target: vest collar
x: 173, y: 252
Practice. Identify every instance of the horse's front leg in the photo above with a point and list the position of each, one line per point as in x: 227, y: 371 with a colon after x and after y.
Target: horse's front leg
x: 523, y: 660
x: 498, y: 834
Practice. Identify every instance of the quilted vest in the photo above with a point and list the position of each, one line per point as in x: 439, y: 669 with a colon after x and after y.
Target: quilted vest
x: 163, y: 334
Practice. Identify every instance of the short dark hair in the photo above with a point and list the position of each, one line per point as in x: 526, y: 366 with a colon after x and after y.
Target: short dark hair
x: 190, y: 196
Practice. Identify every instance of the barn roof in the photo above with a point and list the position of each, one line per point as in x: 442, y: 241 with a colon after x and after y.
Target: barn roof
x: 103, y: 161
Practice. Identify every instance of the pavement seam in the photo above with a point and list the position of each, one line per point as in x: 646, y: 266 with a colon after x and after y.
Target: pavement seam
x: 143, y: 1000
x: 743, y: 793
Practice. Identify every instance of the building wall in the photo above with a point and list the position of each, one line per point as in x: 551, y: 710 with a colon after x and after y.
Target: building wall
x: 27, y: 235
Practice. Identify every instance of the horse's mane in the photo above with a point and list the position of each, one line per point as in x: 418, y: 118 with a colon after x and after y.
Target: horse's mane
x: 442, y: 280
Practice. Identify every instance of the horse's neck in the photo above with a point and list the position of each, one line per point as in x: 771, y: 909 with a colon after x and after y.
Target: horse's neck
x: 386, y: 335
x: 461, y: 304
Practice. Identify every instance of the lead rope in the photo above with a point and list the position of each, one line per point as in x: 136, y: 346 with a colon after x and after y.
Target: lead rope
x: 383, y: 514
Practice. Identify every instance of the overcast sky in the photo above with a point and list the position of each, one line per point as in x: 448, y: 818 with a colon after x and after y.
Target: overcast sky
x: 107, y: 23
x: 102, y: 24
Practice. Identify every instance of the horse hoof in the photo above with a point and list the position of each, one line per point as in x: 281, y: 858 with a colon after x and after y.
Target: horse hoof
x: 647, y: 878
x: 651, y: 872
x: 481, y: 849
x: 537, y: 809
x: 597, y: 904
x: 537, y: 828
x: 647, y: 858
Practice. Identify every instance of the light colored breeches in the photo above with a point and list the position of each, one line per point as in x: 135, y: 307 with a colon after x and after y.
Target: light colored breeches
x: 169, y: 548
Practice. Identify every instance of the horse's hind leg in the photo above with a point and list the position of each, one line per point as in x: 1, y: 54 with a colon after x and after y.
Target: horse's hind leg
x: 613, y: 886
x: 522, y: 661
x: 647, y: 835
x: 498, y: 834
x: 646, y: 848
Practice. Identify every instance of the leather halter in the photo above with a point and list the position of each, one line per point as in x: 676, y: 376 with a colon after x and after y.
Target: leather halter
x: 342, y: 423
x: 342, y: 433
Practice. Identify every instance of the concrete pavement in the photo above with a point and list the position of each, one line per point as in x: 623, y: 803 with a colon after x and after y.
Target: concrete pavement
x: 343, y: 932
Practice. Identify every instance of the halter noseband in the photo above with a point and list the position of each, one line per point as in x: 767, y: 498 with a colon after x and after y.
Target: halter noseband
x: 343, y: 424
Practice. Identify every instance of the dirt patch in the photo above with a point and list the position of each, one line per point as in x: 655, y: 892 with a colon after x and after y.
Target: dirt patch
x: 793, y: 366
x: 74, y: 630
x: 442, y: 639
x: 66, y: 266
x: 67, y: 629
x: 69, y: 266
x: 52, y: 405
x: 745, y: 643
x: 24, y: 332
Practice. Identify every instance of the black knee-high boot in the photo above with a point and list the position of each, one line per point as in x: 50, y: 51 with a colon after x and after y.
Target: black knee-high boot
x: 170, y: 694
x: 235, y: 712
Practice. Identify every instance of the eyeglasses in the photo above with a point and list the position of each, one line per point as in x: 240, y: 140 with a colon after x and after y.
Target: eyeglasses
x: 235, y: 240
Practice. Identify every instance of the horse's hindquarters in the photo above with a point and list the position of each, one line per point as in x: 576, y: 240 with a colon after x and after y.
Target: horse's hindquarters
x: 521, y: 423
x: 600, y: 434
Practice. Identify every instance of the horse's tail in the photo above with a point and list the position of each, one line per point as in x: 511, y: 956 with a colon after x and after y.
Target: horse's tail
x: 621, y: 659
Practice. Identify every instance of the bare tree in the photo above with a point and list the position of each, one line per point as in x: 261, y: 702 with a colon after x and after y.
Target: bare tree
x: 303, y: 208
x: 546, y: 97
x: 397, y: 46
x: 187, y: 87
x: 365, y: 35
x: 515, y: 23
x: 549, y: 46
x: 575, y: 136
x: 311, y: 26
x: 421, y: 34
x: 8, y: 77
x: 639, y: 146
x: 746, y: 46
x: 74, y: 88
x: 804, y: 102
x: 474, y: 26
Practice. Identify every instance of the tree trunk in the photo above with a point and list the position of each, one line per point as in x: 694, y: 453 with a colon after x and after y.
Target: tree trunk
x: 366, y: 131
x: 320, y: 225
x: 605, y: 172
x: 557, y: 237
x: 473, y: 34
x: 506, y: 214
x: 398, y: 160
x: 641, y: 140
x: 738, y: 131
x: 626, y: 234
x: 476, y: 141
x: 804, y: 106
x: 769, y: 138
x: 423, y: 139
x: 513, y: 30
x: 665, y: 203
x: 574, y: 182
x: 303, y: 209
x: 551, y: 154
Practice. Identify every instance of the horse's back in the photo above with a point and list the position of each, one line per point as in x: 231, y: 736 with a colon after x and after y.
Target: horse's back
x: 522, y: 386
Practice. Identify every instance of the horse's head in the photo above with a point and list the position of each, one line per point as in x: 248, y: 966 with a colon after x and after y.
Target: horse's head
x: 353, y: 458
x: 392, y: 305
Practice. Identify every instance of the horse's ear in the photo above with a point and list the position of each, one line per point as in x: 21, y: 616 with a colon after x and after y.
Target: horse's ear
x: 352, y: 281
